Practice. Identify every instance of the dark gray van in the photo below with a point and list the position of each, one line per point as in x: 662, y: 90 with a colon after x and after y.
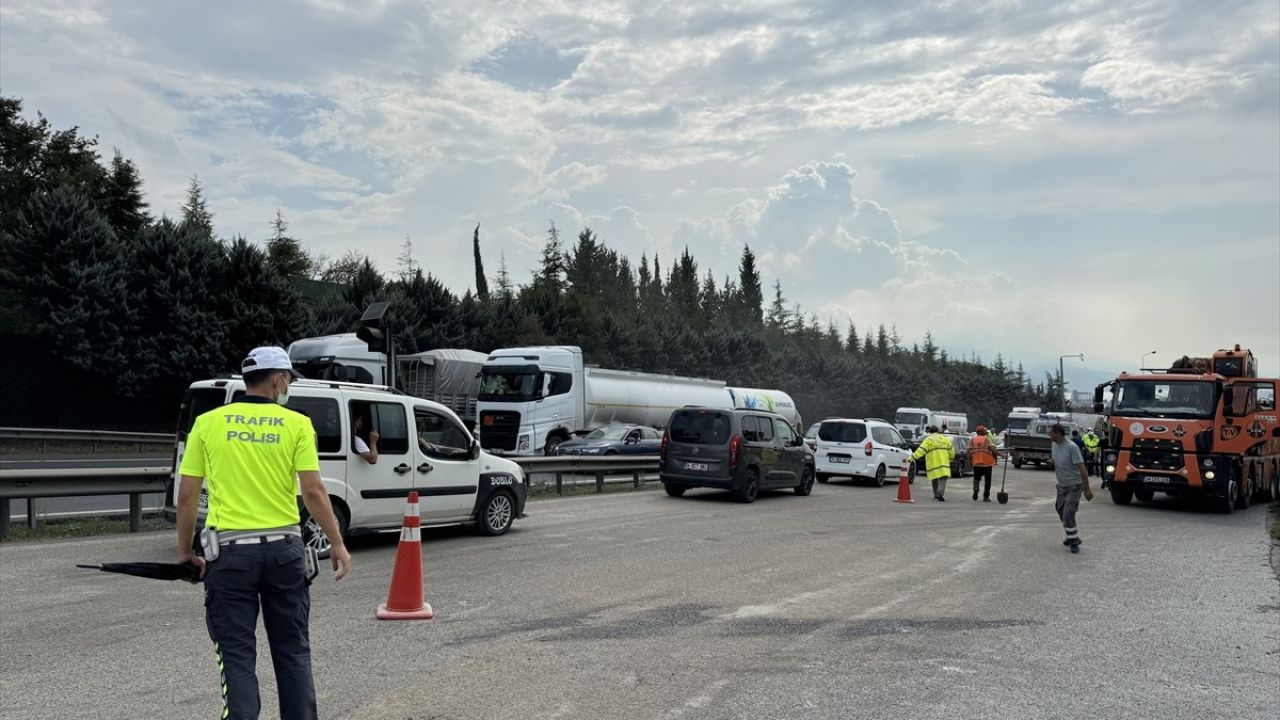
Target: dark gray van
x: 743, y: 451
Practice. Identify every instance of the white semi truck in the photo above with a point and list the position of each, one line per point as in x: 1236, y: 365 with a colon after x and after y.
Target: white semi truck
x: 911, y: 422
x: 532, y: 399
x: 1020, y: 419
x: 447, y: 376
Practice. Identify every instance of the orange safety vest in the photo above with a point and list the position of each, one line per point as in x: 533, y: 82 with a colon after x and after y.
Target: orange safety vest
x: 980, y: 454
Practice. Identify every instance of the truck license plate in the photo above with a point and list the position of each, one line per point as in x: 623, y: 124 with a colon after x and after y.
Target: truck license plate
x: 1156, y: 480
x: 697, y: 467
x: 839, y: 459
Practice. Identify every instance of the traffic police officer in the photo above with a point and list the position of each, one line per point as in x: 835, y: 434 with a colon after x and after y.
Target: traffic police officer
x: 254, y: 455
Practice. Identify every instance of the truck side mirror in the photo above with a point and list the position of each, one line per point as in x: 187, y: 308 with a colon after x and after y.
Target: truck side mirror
x: 1099, y: 408
x: 1229, y: 399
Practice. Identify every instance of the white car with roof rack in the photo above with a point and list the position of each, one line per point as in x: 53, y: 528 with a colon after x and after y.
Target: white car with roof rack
x: 424, y: 446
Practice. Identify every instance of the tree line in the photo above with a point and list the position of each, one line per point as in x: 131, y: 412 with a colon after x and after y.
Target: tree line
x: 107, y: 312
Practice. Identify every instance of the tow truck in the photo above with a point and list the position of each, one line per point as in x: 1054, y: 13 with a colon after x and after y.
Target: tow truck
x: 1205, y: 427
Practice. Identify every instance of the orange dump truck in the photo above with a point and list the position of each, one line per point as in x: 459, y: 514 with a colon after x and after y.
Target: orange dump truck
x: 1206, y: 426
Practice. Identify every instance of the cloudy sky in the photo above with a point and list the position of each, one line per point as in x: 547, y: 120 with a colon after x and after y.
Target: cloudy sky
x: 1038, y: 178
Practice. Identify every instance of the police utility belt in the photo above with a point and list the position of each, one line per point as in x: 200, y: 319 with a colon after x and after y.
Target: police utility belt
x: 213, y: 540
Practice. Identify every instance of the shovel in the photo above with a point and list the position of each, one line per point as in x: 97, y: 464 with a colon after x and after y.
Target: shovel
x: 1002, y: 497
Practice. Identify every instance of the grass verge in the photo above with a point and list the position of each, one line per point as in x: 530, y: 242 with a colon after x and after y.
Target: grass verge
x: 80, y: 527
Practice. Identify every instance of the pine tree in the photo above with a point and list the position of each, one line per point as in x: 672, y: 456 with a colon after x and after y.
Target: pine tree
x: 285, y: 254
x: 851, y: 342
x: 751, y: 296
x: 882, y: 341
x: 551, y: 270
x: 195, y: 212
x: 123, y: 206
x: 68, y: 268
x: 482, y: 283
x: 930, y: 349
x: 176, y: 275
x: 505, y: 287
x: 406, y: 266
x: 778, y: 318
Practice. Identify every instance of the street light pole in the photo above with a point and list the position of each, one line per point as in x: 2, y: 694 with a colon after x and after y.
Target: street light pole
x: 1062, y: 377
x: 1144, y: 359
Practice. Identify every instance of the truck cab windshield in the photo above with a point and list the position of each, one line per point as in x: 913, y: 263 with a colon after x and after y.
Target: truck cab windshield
x: 908, y: 418
x: 1019, y: 424
x: 1165, y: 399
x: 515, y: 385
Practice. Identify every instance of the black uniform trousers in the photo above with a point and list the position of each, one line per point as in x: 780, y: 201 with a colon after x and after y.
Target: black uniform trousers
x: 271, y: 576
x: 982, y: 475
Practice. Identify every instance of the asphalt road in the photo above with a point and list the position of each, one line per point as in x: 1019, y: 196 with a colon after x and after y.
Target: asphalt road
x: 838, y: 605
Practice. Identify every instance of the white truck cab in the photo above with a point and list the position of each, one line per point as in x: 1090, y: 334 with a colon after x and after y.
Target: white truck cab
x: 532, y: 399
x: 424, y: 446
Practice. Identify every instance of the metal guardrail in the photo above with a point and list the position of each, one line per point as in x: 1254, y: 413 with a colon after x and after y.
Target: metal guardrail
x: 78, y: 482
x: 562, y: 465
x: 45, y: 435
x: 16, y: 484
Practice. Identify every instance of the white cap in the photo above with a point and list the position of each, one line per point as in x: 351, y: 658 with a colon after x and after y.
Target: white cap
x: 268, y: 358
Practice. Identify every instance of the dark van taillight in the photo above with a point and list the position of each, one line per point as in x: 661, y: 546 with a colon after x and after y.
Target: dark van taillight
x: 662, y: 449
x: 735, y: 450
x: 867, y: 448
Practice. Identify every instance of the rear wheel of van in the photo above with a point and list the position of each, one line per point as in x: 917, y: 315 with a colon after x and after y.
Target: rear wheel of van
x: 806, y: 483
x: 880, y: 475
x: 674, y: 490
x: 750, y: 487
x: 823, y: 478
x: 496, y: 514
x: 313, y: 535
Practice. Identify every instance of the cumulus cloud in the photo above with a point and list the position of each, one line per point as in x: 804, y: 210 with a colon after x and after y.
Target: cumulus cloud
x: 665, y: 124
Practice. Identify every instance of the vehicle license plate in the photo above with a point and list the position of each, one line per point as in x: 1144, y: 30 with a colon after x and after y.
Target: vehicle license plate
x: 1156, y: 480
x: 839, y: 459
x: 698, y: 467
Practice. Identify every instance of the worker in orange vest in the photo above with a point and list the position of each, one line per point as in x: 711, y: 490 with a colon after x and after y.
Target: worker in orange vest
x: 982, y: 456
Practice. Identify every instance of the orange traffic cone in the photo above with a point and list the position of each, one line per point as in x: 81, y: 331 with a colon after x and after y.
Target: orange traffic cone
x: 904, y: 486
x: 404, y: 599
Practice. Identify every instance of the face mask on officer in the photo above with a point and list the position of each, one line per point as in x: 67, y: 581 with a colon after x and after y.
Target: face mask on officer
x: 282, y: 396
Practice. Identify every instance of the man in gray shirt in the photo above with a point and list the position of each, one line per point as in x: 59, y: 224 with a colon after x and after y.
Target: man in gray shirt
x: 1073, y: 479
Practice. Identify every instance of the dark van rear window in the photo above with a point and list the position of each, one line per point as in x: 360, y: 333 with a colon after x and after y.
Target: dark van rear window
x: 196, y: 403
x: 700, y: 428
x: 842, y: 432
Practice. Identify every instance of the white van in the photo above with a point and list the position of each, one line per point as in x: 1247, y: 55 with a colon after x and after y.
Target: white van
x: 423, y: 447
x: 861, y: 449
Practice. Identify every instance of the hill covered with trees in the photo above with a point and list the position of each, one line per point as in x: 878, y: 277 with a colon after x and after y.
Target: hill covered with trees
x: 107, y: 311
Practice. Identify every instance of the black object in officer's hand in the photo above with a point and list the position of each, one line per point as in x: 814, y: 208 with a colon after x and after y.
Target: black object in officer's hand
x: 153, y: 570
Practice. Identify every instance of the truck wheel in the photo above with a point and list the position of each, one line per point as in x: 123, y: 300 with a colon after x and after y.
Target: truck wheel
x: 1121, y: 495
x: 553, y: 443
x: 1144, y: 494
x: 806, y: 483
x: 1225, y: 503
x: 674, y: 490
x: 1242, y: 494
x: 880, y: 475
x: 1017, y: 463
x: 496, y: 514
x: 750, y: 487
x: 313, y: 535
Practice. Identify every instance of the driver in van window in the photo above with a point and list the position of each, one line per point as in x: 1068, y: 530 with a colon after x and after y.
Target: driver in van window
x: 366, y: 450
